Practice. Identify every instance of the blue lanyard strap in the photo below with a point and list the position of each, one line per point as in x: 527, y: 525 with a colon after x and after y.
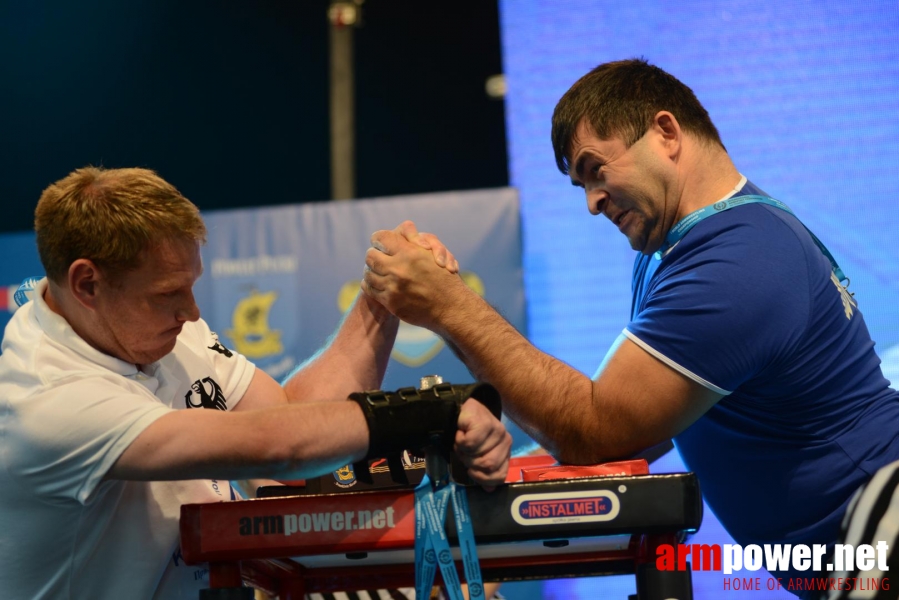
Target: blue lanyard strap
x: 432, y: 549
x: 687, y: 223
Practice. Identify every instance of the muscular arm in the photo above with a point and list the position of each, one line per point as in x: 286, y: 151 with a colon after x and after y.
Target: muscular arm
x: 295, y: 440
x: 354, y: 359
x: 266, y: 435
x: 285, y: 442
x: 634, y: 402
x: 292, y: 441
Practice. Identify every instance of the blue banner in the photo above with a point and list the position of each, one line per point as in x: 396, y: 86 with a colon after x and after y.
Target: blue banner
x: 277, y: 280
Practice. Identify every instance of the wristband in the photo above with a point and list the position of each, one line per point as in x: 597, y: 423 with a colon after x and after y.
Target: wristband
x: 419, y: 420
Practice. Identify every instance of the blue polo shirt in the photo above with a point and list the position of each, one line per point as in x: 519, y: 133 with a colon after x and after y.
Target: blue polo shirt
x: 746, y: 305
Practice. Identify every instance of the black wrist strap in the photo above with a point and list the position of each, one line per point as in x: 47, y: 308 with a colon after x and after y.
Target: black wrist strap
x: 419, y: 420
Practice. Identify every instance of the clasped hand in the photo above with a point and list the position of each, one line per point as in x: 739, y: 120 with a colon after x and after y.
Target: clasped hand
x: 410, y: 273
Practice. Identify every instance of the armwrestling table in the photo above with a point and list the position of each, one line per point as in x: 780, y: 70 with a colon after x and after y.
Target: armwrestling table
x: 545, y: 529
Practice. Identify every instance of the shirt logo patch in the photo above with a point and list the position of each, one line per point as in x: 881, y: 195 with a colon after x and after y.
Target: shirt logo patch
x: 217, y: 346
x: 848, y: 303
x: 209, y: 395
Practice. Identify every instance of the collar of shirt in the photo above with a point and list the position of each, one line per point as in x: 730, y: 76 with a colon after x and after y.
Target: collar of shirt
x: 59, y: 330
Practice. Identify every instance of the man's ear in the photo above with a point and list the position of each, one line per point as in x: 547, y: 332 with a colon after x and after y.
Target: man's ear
x: 669, y: 132
x: 83, y: 281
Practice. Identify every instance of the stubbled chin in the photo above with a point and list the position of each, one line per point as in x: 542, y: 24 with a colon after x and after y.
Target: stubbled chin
x: 168, y: 348
x: 151, y: 356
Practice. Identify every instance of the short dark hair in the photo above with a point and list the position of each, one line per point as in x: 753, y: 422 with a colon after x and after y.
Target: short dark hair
x: 621, y: 99
x: 110, y: 216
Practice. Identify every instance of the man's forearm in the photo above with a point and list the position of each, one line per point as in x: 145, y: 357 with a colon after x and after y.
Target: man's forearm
x: 548, y: 399
x: 354, y: 358
x: 635, y: 401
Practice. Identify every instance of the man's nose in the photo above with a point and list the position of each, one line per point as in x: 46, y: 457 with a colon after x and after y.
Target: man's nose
x: 189, y: 311
x: 595, y: 199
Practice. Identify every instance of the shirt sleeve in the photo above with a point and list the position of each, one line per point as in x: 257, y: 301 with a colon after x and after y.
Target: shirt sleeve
x: 65, y: 439
x: 728, y: 301
x: 233, y: 371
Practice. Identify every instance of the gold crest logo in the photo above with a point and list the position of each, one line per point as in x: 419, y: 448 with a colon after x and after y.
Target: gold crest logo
x: 345, y: 473
x: 414, y: 346
x: 345, y: 477
x: 250, y: 331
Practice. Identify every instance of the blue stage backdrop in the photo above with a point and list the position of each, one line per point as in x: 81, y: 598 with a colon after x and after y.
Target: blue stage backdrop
x: 804, y: 95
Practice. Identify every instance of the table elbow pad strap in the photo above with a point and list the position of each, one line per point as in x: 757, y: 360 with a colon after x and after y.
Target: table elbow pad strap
x: 418, y: 420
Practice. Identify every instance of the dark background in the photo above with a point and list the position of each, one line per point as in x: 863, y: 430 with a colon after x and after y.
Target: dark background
x: 228, y: 99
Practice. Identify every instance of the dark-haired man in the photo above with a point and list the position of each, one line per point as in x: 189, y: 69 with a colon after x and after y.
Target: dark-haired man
x: 118, y: 404
x: 743, y: 345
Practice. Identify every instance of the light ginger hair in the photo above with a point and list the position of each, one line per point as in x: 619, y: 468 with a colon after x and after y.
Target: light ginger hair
x: 110, y: 216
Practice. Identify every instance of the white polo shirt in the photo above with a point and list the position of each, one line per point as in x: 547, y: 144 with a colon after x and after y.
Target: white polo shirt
x: 67, y: 412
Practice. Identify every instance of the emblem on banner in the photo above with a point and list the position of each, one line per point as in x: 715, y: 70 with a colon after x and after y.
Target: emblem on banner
x: 414, y: 346
x: 250, y: 330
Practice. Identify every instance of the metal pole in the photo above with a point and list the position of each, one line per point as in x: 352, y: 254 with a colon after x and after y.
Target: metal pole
x: 342, y: 16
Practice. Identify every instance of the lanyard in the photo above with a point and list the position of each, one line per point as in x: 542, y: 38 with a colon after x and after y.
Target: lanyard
x: 431, y: 546
x: 687, y: 223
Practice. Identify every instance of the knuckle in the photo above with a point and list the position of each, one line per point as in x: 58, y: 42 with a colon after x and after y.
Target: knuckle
x: 488, y: 463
